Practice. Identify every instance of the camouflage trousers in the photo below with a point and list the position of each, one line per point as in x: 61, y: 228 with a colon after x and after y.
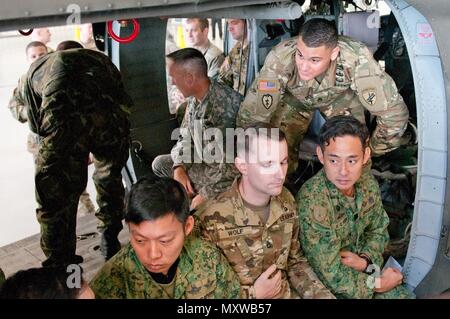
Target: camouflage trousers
x: 162, y: 167
x: 61, y: 177
x: 85, y: 205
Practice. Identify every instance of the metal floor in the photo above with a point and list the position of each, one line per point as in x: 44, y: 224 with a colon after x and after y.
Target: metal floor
x: 27, y: 253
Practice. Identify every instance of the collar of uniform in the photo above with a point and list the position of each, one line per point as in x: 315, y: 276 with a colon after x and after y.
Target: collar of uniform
x: 329, y: 77
x: 249, y: 217
x: 205, y: 49
x: 185, y: 266
x: 196, y: 104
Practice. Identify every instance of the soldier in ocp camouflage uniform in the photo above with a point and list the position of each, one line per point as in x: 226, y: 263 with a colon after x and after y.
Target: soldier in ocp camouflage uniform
x: 34, y: 50
x: 161, y: 261
x: 77, y: 104
x: 343, y: 225
x: 210, y: 106
x: 336, y: 75
x: 234, y: 69
x: 255, y: 224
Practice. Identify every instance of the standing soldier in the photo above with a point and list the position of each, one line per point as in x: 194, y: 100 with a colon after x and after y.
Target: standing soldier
x: 333, y: 74
x: 255, y: 223
x: 196, y: 36
x: 234, y: 69
x: 162, y: 261
x: 76, y: 104
x: 34, y: 51
x: 42, y: 35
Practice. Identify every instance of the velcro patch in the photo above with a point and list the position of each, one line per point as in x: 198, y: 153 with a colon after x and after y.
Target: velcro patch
x: 267, y: 100
x: 267, y: 86
x: 235, y: 232
x: 370, y: 96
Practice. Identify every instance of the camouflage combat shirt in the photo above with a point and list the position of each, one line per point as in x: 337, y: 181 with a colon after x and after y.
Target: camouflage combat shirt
x: 214, y: 114
x: 354, y: 82
x: 252, y: 246
x: 202, y: 272
x: 330, y: 222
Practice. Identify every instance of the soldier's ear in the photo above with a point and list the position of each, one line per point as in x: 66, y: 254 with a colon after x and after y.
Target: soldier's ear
x: 188, y: 225
x: 189, y: 78
x: 334, y: 53
x: 241, y: 165
x: 367, y: 153
x: 319, y: 153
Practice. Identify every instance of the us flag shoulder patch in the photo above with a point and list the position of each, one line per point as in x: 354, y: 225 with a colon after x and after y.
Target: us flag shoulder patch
x: 267, y: 86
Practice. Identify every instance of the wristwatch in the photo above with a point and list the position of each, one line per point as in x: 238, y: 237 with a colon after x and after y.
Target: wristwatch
x: 369, y: 262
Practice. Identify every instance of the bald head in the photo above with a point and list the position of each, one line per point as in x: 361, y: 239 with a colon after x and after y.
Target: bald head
x: 189, y: 60
x: 188, y: 72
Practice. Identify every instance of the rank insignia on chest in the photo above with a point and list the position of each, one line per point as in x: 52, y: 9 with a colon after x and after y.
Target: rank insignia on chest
x: 267, y: 100
x: 369, y: 96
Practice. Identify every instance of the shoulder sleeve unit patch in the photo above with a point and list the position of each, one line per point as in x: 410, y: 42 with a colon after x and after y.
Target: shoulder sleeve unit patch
x: 268, y: 94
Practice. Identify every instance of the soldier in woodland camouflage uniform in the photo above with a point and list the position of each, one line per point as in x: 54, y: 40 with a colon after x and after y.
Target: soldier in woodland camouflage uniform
x: 255, y: 224
x: 2, y: 278
x: 343, y: 225
x: 161, y: 262
x: 35, y: 50
x: 234, y: 69
x: 210, y: 107
x: 76, y: 104
x: 336, y: 75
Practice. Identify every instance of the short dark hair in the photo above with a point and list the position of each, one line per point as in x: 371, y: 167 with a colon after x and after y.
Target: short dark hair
x: 154, y: 197
x: 318, y: 32
x: 34, y: 44
x: 343, y: 125
x: 256, y: 130
x: 40, y: 283
x: 203, y: 23
x: 191, y: 55
x: 66, y: 45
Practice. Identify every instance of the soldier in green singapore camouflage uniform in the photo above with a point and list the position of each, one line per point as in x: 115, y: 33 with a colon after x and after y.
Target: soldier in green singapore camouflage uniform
x: 234, y: 69
x: 343, y: 225
x: 322, y: 71
x: 255, y: 224
x: 211, y: 107
x: 163, y: 260
x: 76, y: 104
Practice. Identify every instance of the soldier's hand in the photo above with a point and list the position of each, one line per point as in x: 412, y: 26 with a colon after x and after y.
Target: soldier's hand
x: 180, y: 175
x: 390, y: 278
x: 268, y: 284
x: 197, y: 200
x: 352, y: 260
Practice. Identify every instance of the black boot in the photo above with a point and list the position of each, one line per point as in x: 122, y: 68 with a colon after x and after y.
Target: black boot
x: 109, y: 245
x: 62, y: 261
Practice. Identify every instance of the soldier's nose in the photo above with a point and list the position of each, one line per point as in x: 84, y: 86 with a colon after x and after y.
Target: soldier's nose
x: 344, y: 169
